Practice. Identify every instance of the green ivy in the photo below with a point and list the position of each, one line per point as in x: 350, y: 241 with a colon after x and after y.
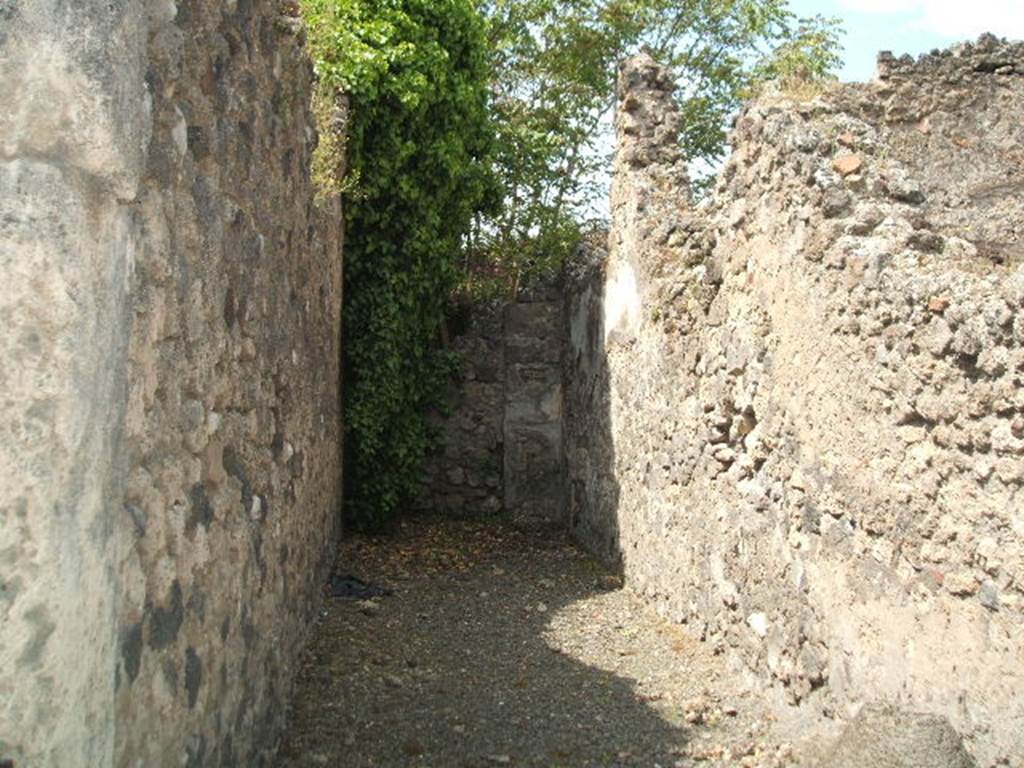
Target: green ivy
x: 416, y: 72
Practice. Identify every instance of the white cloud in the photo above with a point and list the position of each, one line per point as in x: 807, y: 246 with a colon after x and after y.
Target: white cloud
x: 955, y: 19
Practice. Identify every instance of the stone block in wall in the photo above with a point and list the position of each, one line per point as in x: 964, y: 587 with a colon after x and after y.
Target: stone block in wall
x: 533, y: 333
x: 533, y: 394
x: 484, y: 364
x: 479, y: 404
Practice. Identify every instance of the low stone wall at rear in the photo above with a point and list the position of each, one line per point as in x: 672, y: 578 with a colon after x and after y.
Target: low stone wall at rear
x: 463, y: 474
x: 795, y: 414
x: 170, y: 322
x: 499, y: 437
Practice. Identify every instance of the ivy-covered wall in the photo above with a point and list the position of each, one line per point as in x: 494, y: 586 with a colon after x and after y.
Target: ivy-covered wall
x: 418, y: 149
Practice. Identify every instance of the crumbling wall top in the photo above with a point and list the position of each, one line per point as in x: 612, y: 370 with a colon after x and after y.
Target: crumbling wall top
x: 937, y: 142
x: 989, y: 54
x: 648, y: 122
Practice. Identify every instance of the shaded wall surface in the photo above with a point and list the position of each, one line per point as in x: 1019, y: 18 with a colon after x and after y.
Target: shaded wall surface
x: 499, y: 436
x: 170, y: 325
x: 795, y: 413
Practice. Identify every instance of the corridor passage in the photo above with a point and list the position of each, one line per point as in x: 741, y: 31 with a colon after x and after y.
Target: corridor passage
x: 504, y: 648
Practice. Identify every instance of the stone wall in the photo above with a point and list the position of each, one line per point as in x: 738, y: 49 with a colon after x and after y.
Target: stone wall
x: 463, y: 474
x: 534, y: 455
x: 795, y: 412
x: 499, y: 448
x: 169, y: 478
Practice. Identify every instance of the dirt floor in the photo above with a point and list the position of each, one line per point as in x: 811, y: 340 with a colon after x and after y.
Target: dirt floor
x: 499, y: 647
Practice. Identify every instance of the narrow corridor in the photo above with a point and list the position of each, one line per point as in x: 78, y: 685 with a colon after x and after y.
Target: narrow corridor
x: 504, y: 648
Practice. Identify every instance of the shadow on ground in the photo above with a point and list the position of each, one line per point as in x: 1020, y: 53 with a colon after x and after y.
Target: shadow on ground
x: 458, y: 668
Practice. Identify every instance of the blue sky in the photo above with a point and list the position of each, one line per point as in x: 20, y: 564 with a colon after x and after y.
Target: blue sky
x: 911, y: 26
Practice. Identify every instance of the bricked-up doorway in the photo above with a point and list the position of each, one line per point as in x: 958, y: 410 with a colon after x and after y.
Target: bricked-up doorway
x: 500, y: 450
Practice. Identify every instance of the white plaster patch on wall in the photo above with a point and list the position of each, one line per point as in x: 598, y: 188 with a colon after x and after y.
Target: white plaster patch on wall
x: 621, y: 303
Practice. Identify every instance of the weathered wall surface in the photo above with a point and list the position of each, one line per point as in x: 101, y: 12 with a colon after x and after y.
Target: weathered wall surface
x: 534, y: 454
x: 499, y: 447
x: 170, y: 317
x: 796, y: 413
x: 463, y: 474
x: 72, y: 134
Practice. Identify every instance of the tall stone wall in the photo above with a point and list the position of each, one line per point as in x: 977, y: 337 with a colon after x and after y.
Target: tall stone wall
x: 170, y: 471
x: 795, y: 412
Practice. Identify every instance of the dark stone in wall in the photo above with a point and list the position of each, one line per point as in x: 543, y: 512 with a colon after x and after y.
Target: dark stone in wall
x: 131, y: 651
x: 165, y: 620
x: 193, y: 676
x: 202, y: 511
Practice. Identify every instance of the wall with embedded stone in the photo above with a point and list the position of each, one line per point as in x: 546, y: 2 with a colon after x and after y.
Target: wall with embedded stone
x: 170, y: 319
x: 499, y: 436
x: 795, y: 412
x: 462, y: 476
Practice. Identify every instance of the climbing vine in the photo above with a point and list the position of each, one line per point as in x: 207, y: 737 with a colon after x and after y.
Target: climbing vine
x: 416, y: 74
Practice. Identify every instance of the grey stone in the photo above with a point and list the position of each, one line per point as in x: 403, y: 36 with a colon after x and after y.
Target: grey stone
x: 887, y: 737
x: 836, y: 202
x: 988, y: 595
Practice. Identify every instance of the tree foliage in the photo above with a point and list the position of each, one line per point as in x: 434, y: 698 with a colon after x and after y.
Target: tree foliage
x: 416, y: 72
x: 554, y: 69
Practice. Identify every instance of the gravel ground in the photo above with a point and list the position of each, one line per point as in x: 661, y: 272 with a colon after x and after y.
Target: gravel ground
x: 506, y: 648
